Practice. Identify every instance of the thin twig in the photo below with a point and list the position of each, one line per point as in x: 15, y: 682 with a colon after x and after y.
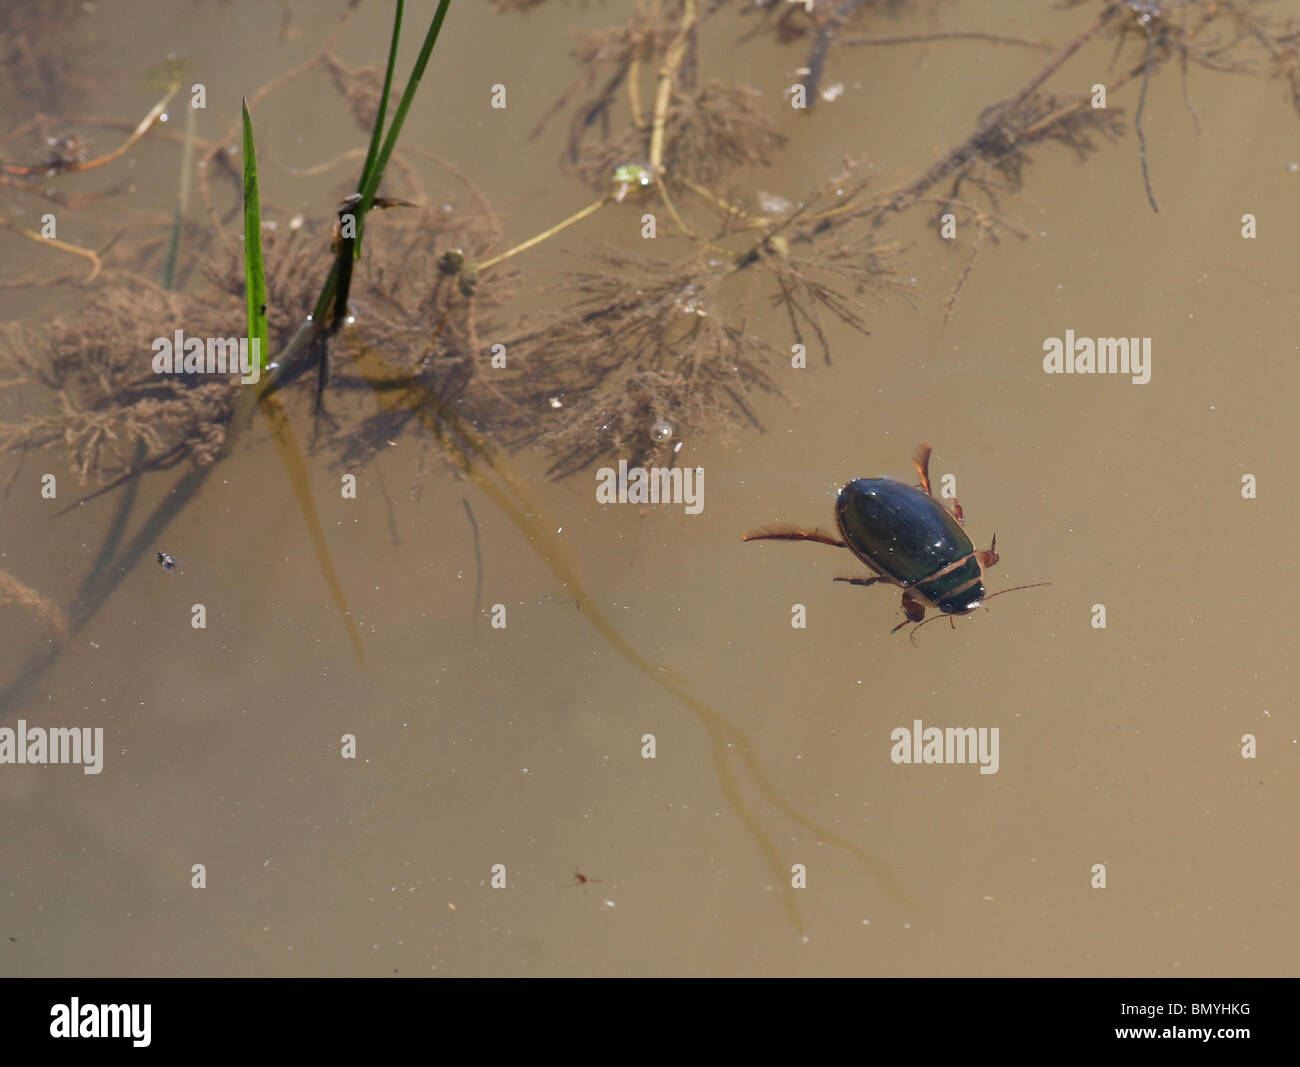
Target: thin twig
x: 969, y: 147
x: 918, y: 38
x: 95, y: 265
x: 539, y: 238
x: 672, y: 60
x: 72, y: 167
x: 1137, y: 120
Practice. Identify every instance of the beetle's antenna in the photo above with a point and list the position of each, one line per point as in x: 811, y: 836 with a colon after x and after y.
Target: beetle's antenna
x: 1013, y: 589
x: 952, y: 619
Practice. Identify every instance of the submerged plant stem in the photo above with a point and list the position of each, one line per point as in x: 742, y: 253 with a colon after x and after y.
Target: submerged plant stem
x: 95, y: 265
x: 667, y: 74
x: 578, y: 216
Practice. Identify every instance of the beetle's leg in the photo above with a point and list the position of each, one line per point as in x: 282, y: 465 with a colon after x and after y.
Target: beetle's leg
x: 860, y: 581
x: 921, y: 460
x: 990, y: 557
x: 782, y: 533
x: 913, y: 609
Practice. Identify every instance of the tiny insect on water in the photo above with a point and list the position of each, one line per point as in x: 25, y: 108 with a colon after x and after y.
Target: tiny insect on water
x: 167, y: 562
x: 580, y: 879
x: 910, y: 540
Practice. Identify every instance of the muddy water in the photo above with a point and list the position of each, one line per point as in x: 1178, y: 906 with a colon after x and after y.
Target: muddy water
x: 523, y: 746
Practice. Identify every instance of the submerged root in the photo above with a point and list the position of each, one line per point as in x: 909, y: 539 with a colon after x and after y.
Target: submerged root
x: 644, y: 356
x: 104, y: 401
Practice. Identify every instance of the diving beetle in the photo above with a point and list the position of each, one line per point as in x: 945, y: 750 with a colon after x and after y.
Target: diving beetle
x: 910, y: 540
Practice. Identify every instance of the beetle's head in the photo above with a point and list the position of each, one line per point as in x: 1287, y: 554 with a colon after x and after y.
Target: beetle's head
x: 988, y: 557
x: 965, y: 603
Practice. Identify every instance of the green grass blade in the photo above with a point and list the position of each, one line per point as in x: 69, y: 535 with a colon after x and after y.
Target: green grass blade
x: 377, y: 133
x: 371, y: 178
x: 182, y: 200
x: 371, y: 175
x: 254, y: 273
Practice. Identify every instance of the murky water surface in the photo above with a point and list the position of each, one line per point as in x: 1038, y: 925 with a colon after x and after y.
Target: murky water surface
x: 525, y: 746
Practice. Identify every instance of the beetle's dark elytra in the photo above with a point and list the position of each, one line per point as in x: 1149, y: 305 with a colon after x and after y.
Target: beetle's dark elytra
x: 906, y: 535
x: 909, y: 540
